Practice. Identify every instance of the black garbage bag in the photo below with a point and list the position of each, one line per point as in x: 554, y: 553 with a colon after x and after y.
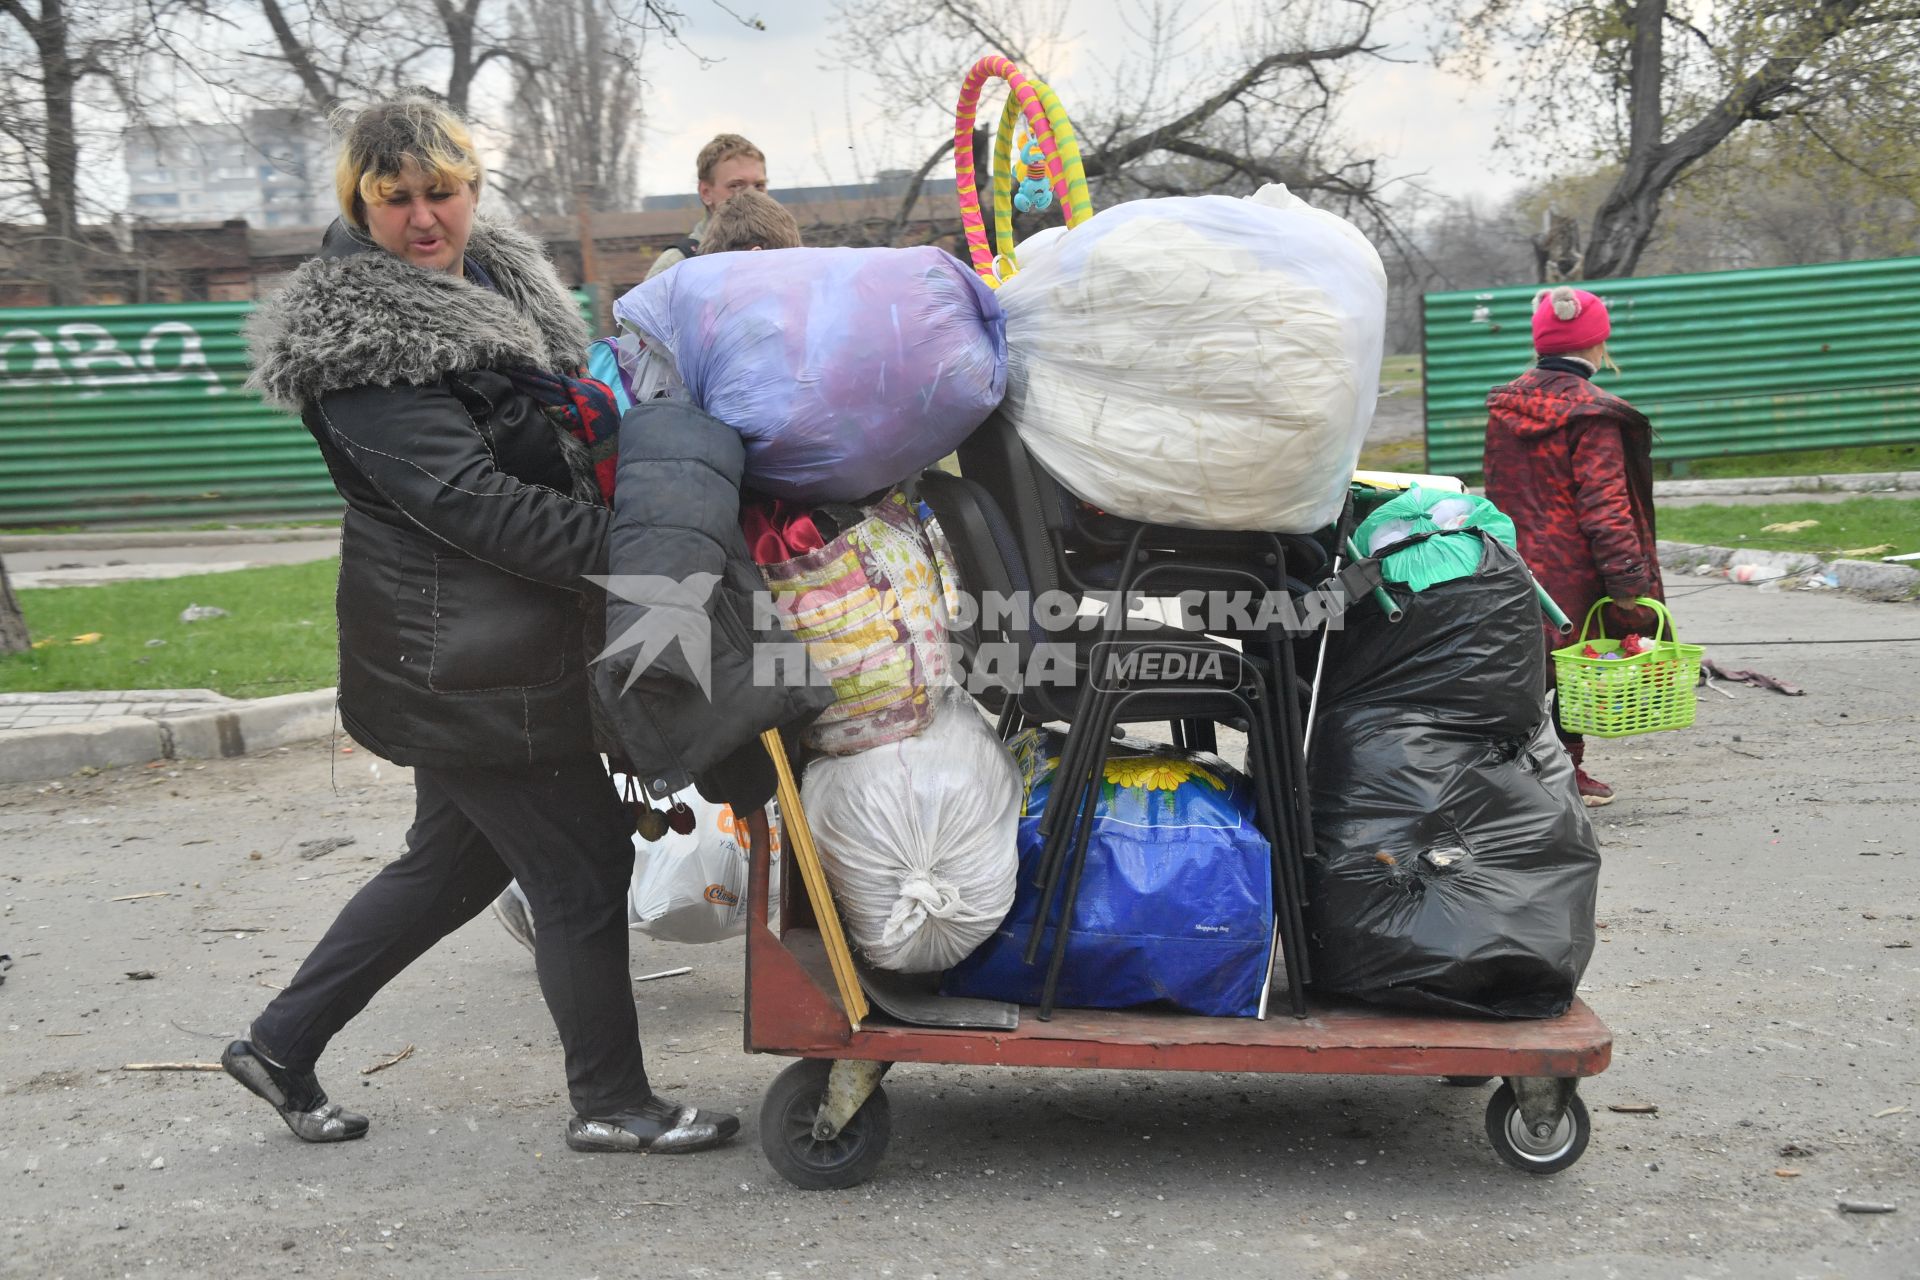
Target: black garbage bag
x: 1467, y: 652
x: 1454, y: 868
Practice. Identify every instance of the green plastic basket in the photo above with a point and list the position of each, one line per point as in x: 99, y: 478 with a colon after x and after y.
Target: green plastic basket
x: 1619, y: 697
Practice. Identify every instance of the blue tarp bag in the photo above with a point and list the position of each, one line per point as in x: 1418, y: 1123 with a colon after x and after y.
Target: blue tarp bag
x: 1176, y: 902
x: 845, y: 370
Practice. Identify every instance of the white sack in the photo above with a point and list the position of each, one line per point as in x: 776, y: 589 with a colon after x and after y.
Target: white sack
x: 917, y: 837
x: 1199, y: 361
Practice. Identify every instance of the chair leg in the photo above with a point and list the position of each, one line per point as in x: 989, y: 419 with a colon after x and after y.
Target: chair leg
x: 1263, y: 748
x: 1078, y: 795
x: 1060, y: 797
x: 1259, y: 769
x: 1299, y: 794
x: 1050, y: 988
x: 1011, y: 720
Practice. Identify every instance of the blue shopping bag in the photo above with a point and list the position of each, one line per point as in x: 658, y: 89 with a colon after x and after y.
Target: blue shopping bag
x: 1175, y: 903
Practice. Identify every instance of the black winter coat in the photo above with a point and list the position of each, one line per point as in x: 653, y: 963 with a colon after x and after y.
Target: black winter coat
x: 472, y: 520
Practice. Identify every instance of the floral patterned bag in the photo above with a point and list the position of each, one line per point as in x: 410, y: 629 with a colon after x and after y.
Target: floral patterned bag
x: 868, y: 606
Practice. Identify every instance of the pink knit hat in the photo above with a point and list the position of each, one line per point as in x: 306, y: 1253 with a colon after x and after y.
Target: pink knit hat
x: 1568, y: 319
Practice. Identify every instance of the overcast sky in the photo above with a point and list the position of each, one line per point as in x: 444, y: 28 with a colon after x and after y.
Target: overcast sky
x: 815, y: 116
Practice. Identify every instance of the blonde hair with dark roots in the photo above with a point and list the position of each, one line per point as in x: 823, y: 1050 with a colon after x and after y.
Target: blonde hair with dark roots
x: 378, y: 142
x: 750, y: 220
x: 725, y: 146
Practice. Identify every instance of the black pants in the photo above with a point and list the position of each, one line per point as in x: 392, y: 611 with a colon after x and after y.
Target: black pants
x: 563, y: 832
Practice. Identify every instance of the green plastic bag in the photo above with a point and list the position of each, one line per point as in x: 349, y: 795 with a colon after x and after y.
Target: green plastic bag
x: 1438, y: 559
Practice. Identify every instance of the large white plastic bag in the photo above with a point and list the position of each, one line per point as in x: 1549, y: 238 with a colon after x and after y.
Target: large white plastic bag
x: 1200, y: 361
x: 846, y: 370
x: 918, y: 839
x: 693, y: 887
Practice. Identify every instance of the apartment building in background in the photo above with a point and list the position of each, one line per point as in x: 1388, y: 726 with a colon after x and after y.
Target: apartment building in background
x: 275, y: 169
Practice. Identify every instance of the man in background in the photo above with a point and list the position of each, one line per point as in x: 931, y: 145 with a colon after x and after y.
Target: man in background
x: 727, y: 166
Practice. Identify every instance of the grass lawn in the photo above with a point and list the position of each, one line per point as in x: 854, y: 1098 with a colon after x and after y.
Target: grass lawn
x: 1856, y: 525
x: 1401, y: 373
x: 278, y: 637
x: 198, y: 526
x: 1802, y: 462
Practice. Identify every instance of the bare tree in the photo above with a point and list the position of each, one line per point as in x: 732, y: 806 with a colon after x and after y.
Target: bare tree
x: 1179, y: 113
x: 57, y: 58
x: 1658, y: 85
x: 340, y: 50
x: 576, y: 118
x: 344, y: 49
x: 13, y: 626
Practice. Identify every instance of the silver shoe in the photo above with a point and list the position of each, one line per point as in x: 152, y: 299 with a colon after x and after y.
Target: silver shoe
x: 657, y: 1126
x: 510, y: 909
x: 296, y: 1095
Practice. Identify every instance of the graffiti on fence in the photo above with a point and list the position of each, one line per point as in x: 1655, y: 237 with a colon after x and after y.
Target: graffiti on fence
x: 90, y: 358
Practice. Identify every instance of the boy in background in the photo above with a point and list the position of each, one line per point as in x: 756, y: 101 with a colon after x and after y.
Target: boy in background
x: 750, y: 220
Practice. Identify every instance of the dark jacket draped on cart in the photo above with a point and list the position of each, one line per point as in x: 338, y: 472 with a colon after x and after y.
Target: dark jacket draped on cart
x: 1572, y: 465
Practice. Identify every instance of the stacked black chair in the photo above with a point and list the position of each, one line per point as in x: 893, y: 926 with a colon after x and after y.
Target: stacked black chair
x: 1015, y: 529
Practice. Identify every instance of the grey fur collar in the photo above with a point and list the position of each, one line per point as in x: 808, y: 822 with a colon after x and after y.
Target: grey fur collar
x: 368, y: 318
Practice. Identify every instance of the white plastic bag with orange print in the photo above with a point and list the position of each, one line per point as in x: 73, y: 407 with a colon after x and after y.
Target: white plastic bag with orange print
x: 693, y: 887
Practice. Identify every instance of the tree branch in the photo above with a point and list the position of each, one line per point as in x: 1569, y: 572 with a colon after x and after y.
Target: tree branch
x: 902, y: 215
x: 297, y: 56
x: 1110, y: 159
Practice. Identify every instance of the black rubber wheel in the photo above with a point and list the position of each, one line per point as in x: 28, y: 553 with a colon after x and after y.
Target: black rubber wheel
x: 1529, y: 1153
x: 786, y: 1131
x: 1465, y: 1082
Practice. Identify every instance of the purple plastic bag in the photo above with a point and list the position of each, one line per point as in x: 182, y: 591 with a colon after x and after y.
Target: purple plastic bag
x: 846, y: 370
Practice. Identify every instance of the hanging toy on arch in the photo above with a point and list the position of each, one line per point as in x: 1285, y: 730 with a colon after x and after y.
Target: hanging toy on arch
x: 1049, y: 169
x: 1035, y: 194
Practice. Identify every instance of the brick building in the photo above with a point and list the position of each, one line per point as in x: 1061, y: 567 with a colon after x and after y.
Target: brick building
x: 234, y: 261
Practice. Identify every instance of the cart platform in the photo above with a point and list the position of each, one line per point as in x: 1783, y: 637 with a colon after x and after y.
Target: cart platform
x: 792, y: 1010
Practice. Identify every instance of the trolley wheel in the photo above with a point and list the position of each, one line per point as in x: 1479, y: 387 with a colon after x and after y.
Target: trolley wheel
x: 1531, y: 1153
x: 786, y: 1131
x: 1465, y: 1082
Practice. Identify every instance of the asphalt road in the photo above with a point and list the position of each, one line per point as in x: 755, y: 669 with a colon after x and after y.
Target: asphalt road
x: 1759, y: 969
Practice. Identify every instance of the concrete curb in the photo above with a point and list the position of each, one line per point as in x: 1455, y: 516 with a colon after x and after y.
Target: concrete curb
x: 1748, y: 565
x: 1863, y: 482
x: 109, y: 541
x: 55, y: 751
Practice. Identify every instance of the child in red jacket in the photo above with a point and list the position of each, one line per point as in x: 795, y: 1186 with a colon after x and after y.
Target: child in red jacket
x: 1572, y: 465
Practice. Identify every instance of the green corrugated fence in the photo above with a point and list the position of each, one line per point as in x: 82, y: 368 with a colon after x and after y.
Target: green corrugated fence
x: 130, y: 413
x: 1723, y: 362
x: 140, y: 412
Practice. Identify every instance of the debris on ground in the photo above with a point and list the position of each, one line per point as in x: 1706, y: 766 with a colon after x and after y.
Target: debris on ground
x: 1711, y: 670
x: 311, y: 849
x: 172, y: 1066
x: 382, y: 1065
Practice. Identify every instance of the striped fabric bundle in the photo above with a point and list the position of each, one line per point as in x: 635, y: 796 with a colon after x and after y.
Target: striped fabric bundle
x: 866, y: 607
